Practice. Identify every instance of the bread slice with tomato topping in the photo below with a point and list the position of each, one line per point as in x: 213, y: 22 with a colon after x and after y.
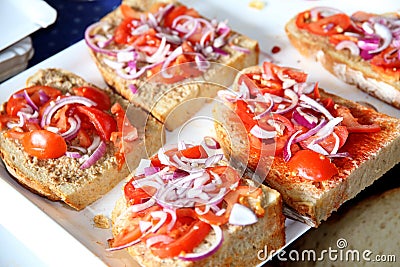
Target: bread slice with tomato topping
x: 186, y: 207
x: 67, y: 140
x: 167, y: 58
x: 360, y: 49
x: 317, y: 149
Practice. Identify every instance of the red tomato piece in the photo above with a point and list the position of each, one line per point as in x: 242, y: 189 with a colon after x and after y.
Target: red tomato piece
x: 334, y: 24
x: 100, y: 97
x: 312, y: 166
x: 103, y: 122
x: 44, y: 144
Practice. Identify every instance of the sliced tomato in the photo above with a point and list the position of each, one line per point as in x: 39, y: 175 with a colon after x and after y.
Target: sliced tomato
x: 100, y: 97
x: 134, y: 195
x: 178, y: 11
x: 312, y: 166
x: 303, y: 19
x: 16, y: 102
x: 194, y: 152
x: 44, y: 144
x: 4, y: 119
x: 103, y: 122
x: 329, y: 143
x: 244, y: 114
x: 352, y: 124
x: 337, y: 38
x: 190, y: 237
x: 122, y: 34
x: 228, y: 175
x: 388, y: 58
x: 334, y: 24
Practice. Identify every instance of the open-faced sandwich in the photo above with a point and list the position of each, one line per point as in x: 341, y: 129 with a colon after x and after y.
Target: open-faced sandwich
x: 361, y: 49
x: 317, y: 149
x: 65, y: 139
x: 160, y: 54
x: 186, y: 207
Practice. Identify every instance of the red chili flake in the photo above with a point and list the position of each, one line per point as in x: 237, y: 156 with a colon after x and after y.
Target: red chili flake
x: 275, y: 49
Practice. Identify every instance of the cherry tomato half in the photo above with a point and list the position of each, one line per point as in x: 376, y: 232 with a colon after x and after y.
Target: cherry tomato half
x: 312, y: 165
x: 44, y: 144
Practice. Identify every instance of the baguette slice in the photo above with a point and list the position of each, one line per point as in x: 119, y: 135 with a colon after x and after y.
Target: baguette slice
x: 174, y: 103
x: 61, y: 179
x: 368, y: 225
x: 352, y: 69
x: 240, y: 243
x: 372, y: 155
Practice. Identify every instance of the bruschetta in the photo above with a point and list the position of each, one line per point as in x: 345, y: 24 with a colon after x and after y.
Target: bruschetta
x: 68, y: 140
x: 186, y: 207
x: 165, y: 55
x: 316, y: 148
x: 360, y: 49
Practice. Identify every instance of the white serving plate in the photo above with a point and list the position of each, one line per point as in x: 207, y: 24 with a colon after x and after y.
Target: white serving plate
x: 19, y: 19
x: 50, y: 234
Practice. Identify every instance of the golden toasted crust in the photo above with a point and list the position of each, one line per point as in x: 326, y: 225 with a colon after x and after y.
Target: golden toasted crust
x: 240, y: 246
x: 349, y: 68
x: 312, y: 201
x: 162, y: 99
x: 61, y: 178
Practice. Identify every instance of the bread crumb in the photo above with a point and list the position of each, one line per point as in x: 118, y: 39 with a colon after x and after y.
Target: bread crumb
x: 257, y: 4
x: 101, y: 221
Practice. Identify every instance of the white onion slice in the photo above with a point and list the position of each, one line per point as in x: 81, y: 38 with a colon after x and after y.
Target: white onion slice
x: 259, y: 132
x: 294, y: 101
x: 242, y: 215
x: 346, y: 44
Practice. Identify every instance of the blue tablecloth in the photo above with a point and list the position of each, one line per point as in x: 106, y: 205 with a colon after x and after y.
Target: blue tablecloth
x: 73, y: 16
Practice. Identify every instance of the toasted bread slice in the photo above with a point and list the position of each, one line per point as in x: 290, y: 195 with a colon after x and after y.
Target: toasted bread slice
x: 161, y: 99
x: 241, y: 243
x: 366, y: 225
x: 61, y: 178
x: 371, y: 155
x: 348, y: 67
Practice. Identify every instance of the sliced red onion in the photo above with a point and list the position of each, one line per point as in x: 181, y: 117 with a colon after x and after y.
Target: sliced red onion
x: 43, y: 96
x: 317, y: 148
x: 137, y: 74
x: 259, y: 132
x: 113, y: 64
x: 242, y: 215
x: 165, y: 239
x: 303, y: 88
x: 75, y: 125
x: 73, y: 154
x: 267, y: 110
x: 327, y: 130
x: 29, y: 101
x: 171, y: 212
x: 311, y: 132
x: 52, y: 108
x: 20, y: 123
x: 214, y: 159
x: 240, y: 49
x: 339, y: 155
x: 324, y: 11
x: 79, y: 148
x: 385, y: 33
x: 142, y: 206
x: 219, y: 238
x: 294, y: 99
x: 125, y: 245
x: 316, y: 106
x: 368, y: 43
x: 95, y: 144
x: 202, y: 63
x: 304, y: 119
x: 151, y: 170
x: 133, y: 88
x: 161, y: 52
x: 162, y: 216
x: 89, y: 40
x: 178, y: 51
x: 211, y: 142
x: 337, y: 142
x: 346, y: 44
x: 244, y: 90
x: 144, y: 226
x: 97, y: 154
x: 287, y: 152
x: 228, y: 95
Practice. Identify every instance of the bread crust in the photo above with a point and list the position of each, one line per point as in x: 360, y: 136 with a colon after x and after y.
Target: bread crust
x: 348, y: 68
x: 61, y: 178
x: 309, y: 201
x: 241, y: 243
x: 163, y: 101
